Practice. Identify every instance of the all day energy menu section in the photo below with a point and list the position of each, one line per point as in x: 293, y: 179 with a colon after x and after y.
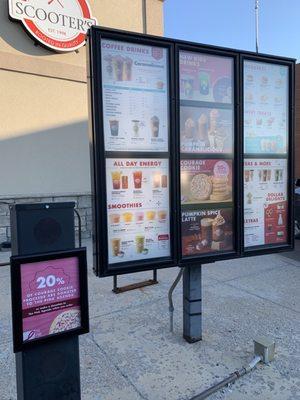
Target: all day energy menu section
x: 135, y: 91
x: 265, y: 108
x: 50, y: 297
x: 265, y: 201
x: 138, y: 209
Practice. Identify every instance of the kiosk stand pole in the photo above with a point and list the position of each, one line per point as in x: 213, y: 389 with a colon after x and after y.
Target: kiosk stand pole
x: 192, y: 303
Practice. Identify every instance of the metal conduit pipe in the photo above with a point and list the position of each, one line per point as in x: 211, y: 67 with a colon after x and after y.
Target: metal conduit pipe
x: 170, y: 294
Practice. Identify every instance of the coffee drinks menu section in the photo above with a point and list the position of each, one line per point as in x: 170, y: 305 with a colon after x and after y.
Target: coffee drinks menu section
x: 135, y: 91
x: 207, y: 134
x: 266, y: 148
x: 138, y: 209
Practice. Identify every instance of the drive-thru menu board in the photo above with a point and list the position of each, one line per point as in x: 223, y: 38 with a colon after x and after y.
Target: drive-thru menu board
x: 266, y: 140
x: 138, y: 209
x: 191, y: 149
x: 135, y: 96
x: 207, y: 135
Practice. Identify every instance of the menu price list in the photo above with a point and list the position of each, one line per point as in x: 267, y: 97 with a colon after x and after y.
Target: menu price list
x: 135, y: 97
x: 265, y: 108
x: 265, y: 201
x: 138, y: 209
x: 50, y: 297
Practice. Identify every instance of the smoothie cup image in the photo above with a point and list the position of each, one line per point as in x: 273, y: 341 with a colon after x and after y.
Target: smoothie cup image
x: 137, y: 179
x: 139, y: 242
x: 116, y: 180
x: 150, y: 215
x: 135, y: 127
x: 127, y: 217
x: 115, y: 245
x: 155, y: 126
x: 162, y: 215
x: 114, y: 127
x: 139, y: 217
x: 114, y: 218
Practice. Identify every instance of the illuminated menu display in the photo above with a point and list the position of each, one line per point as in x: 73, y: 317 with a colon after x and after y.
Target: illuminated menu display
x: 265, y: 108
x: 135, y: 97
x: 138, y: 209
x: 265, y: 153
x: 206, y: 145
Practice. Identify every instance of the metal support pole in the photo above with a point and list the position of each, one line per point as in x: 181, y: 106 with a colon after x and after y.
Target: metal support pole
x: 256, y: 24
x: 192, y: 303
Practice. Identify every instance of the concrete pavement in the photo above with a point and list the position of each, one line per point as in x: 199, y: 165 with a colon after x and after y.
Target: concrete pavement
x: 130, y: 354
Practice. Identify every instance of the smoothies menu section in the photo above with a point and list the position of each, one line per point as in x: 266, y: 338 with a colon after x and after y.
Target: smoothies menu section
x: 265, y: 108
x: 50, y: 297
x: 138, y: 209
x: 265, y: 201
x: 135, y: 97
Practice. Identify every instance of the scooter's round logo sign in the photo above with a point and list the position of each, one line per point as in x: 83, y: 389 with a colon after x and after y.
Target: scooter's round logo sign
x: 60, y: 25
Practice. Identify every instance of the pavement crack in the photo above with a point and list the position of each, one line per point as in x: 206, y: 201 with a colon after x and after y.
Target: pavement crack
x: 125, y: 376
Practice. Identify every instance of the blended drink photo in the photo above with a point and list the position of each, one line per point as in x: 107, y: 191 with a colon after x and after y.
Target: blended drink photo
x: 139, y: 242
x: 116, y: 245
x: 116, y: 180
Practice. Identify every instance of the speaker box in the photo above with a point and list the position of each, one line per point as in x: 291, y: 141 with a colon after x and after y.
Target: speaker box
x: 49, y: 371
x: 43, y: 227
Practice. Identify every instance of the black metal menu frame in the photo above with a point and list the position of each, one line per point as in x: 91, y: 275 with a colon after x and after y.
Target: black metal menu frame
x: 99, y: 155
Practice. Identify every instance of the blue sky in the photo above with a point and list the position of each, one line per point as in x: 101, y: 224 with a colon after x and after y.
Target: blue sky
x: 231, y: 23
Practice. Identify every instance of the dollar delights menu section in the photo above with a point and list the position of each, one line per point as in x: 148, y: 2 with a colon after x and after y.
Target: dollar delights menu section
x: 266, y: 115
x: 135, y: 91
x: 206, y: 146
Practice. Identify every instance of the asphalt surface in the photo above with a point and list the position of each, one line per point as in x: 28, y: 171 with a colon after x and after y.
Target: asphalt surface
x: 131, y: 355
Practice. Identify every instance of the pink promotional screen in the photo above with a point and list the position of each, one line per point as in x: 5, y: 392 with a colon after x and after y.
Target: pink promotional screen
x: 50, y: 297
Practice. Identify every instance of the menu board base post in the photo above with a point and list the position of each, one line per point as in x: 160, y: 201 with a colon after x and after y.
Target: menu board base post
x: 134, y: 286
x: 192, y: 303
x: 49, y: 371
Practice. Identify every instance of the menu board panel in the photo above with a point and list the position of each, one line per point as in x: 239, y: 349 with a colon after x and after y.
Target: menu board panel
x: 138, y: 209
x: 205, y: 231
x: 135, y: 96
x: 50, y: 297
x: 265, y: 201
x: 206, y: 130
x: 206, y: 181
x: 205, y: 78
x: 265, y: 108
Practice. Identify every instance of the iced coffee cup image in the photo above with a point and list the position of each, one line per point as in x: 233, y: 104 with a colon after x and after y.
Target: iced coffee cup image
x: 114, y: 127
x: 135, y: 127
x: 127, y: 217
x: 156, y: 181
x: 206, y: 231
x: 117, y: 65
x: 116, y: 246
x: 140, y: 243
x: 202, y: 128
x: 137, y: 179
x: 127, y: 69
x: 164, y: 181
x: 150, y: 215
x: 116, y: 180
x: 154, y: 121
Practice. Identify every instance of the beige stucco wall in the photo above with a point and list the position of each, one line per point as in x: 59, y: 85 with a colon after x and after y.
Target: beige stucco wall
x: 43, y: 104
